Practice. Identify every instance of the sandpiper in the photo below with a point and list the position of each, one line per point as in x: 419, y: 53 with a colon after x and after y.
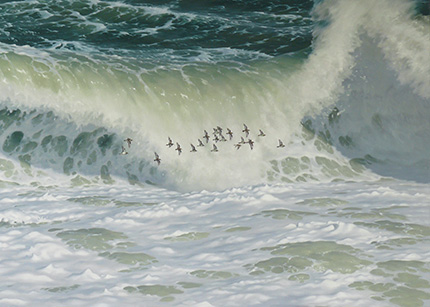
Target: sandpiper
x: 280, y: 144
x: 237, y: 145
x: 128, y: 140
x: 251, y: 143
x: 334, y: 114
x: 261, y: 133
x: 246, y: 130
x: 170, y: 143
x: 216, y: 139
x: 206, y: 136
x: 214, y: 149
x: 157, y: 158
x: 200, y: 143
x: 123, y: 151
x: 178, y: 148
x: 193, y: 149
x: 242, y: 141
x: 230, y: 133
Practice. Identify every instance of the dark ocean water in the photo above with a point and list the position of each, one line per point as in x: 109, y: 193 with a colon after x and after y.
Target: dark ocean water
x: 146, y: 29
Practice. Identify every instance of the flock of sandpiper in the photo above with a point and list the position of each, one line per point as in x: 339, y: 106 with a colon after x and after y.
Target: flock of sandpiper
x: 217, y: 137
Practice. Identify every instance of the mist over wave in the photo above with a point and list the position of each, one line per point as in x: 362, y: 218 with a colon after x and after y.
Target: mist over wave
x: 369, y: 59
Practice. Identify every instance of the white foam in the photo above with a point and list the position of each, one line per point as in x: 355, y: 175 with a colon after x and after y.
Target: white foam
x: 215, y: 264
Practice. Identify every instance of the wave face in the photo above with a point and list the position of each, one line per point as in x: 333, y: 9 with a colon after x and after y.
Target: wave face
x: 79, y: 77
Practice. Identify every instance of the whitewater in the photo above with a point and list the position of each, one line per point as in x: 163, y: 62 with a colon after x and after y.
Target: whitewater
x: 340, y: 216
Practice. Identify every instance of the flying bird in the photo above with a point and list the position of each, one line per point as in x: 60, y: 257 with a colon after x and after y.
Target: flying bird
x: 246, y: 130
x: 206, y: 136
x: 170, y: 143
x: 280, y: 145
x: 157, y: 158
x: 251, y: 144
x: 123, y: 151
x: 178, y: 148
x: 128, y: 140
x: 230, y: 133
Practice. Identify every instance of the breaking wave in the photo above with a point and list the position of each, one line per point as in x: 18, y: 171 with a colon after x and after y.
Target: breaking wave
x: 69, y: 109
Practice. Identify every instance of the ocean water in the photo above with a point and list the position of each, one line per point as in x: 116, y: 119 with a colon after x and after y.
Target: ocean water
x: 339, y: 216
